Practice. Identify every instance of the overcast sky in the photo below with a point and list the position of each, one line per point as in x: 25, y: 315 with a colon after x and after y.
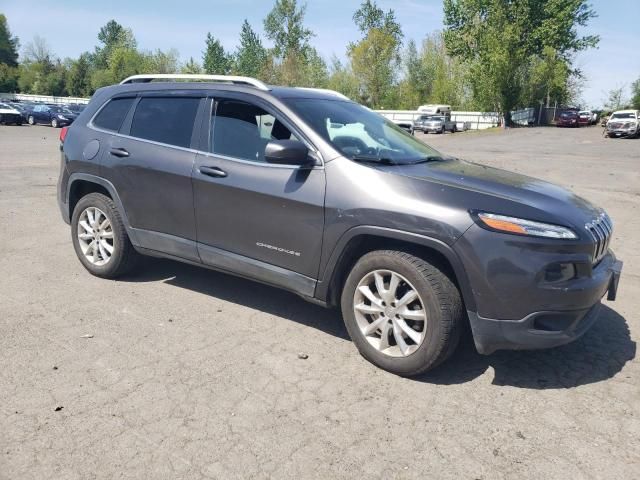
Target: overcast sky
x: 71, y: 26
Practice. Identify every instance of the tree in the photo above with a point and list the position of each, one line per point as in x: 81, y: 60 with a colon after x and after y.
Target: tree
x: 79, y: 77
x: 372, y: 60
x: 375, y: 58
x: 343, y: 80
x: 161, y: 62
x: 635, y: 94
x: 9, y: 78
x: 500, y: 39
x: 215, y: 60
x: 284, y: 26
x: 616, y: 100
x: 251, y: 55
x: 370, y: 16
x: 8, y: 44
x: 37, y: 51
x: 112, y: 36
x: 191, y: 67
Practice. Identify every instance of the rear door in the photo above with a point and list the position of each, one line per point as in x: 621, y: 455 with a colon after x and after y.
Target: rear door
x: 150, y: 162
x: 270, y: 214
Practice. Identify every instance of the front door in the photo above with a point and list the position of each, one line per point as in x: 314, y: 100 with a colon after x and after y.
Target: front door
x: 253, y: 214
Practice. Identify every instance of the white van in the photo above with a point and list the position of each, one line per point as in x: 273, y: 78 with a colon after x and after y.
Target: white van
x: 434, y: 109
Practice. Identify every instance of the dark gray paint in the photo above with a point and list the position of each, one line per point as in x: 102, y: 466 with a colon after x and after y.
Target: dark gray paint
x: 175, y: 210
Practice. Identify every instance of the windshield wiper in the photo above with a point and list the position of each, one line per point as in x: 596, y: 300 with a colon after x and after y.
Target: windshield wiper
x: 380, y: 160
x: 433, y: 158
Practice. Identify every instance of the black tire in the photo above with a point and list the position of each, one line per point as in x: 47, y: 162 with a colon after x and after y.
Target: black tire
x: 441, y: 299
x: 124, y: 257
x: 54, y: 123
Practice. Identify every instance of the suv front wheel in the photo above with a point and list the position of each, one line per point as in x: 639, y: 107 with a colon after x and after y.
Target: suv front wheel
x: 403, y: 313
x: 100, y: 238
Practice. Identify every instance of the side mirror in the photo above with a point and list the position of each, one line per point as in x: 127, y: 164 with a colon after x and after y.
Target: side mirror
x: 287, y: 152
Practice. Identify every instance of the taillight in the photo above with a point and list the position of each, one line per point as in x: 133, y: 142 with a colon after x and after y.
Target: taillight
x: 63, y: 134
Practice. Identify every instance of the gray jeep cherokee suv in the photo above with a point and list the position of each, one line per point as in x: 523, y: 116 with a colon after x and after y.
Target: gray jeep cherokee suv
x: 308, y: 191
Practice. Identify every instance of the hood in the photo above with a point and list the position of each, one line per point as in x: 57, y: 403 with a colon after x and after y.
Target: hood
x: 504, y: 192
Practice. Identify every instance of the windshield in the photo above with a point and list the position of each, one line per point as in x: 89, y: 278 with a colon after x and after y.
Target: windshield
x: 360, y: 134
x: 568, y: 114
x: 623, y: 115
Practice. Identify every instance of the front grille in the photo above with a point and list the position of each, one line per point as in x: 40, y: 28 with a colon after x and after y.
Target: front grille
x: 600, y: 230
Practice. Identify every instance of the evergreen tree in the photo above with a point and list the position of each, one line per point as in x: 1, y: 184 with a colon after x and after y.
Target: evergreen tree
x: 215, y: 60
x: 8, y: 44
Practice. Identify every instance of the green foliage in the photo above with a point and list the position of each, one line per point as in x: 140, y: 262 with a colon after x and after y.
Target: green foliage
x: 250, y: 56
x: 284, y: 26
x: 635, y: 94
x: 215, y: 60
x: 79, y: 77
x: 8, y: 45
x: 375, y: 59
x: 112, y: 36
x: 503, y: 41
x: 494, y: 55
x: 8, y: 78
x: 191, y: 67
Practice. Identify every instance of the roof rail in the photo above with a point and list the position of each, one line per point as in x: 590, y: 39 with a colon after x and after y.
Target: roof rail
x: 325, y: 90
x: 145, y: 78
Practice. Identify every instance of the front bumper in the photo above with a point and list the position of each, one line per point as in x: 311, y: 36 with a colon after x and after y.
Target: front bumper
x: 622, y: 132
x: 544, y: 329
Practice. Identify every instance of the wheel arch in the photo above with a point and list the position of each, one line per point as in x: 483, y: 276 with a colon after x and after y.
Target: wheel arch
x: 81, y: 184
x: 360, y: 240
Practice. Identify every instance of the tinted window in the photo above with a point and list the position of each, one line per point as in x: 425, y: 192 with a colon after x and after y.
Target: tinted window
x: 165, y: 120
x: 242, y: 130
x: 112, y: 116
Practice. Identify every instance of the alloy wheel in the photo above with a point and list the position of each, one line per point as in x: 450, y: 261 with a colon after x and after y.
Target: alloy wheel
x: 95, y: 236
x: 390, y: 313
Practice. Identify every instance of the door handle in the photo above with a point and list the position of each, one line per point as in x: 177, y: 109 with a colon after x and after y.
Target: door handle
x: 212, y: 171
x: 119, y: 152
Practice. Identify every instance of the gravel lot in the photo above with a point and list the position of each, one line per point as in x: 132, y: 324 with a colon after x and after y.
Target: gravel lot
x: 194, y: 374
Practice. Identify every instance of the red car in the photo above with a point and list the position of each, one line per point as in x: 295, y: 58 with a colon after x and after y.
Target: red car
x: 568, y: 119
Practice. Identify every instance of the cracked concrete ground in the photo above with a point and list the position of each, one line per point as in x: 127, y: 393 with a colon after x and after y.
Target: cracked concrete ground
x: 195, y: 374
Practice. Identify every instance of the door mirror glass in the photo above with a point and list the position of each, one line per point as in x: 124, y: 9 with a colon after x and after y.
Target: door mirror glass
x: 287, y: 152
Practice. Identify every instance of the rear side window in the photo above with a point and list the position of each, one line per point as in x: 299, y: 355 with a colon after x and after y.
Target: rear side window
x: 167, y: 120
x: 112, y: 115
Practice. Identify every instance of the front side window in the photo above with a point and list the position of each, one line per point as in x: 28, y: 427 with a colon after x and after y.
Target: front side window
x: 242, y: 130
x: 165, y: 119
x: 112, y: 115
x: 361, y: 134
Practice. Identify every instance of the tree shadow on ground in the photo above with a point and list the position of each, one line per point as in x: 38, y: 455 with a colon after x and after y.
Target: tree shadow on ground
x: 599, y: 355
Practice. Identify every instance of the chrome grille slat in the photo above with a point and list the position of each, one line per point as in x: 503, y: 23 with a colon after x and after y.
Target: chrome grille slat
x: 600, y: 230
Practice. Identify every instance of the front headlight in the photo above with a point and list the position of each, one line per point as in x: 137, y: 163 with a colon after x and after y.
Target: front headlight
x: 520, y: 226
x: 62, y: 117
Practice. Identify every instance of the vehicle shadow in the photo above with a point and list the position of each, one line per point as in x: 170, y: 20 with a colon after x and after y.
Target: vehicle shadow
x: 599, y: 355
x: 248, y: 293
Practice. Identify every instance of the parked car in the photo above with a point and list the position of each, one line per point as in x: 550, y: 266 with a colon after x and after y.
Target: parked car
x: 22, y: 108
x: 568, y: 119
x: 311, y: 192
x: 53, y: 115
x: 405, y: 125
x: 585, y: 118
x: 435, y: 124
x: 9, y: 115
x: 624, y: 123
x: 76, y: 107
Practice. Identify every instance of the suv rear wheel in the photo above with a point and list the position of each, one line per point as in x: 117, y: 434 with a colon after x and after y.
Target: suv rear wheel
x: 403, y: 313
x: 99, y: 237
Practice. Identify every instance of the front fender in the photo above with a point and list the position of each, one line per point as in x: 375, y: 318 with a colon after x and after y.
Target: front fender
x: 322, y: 289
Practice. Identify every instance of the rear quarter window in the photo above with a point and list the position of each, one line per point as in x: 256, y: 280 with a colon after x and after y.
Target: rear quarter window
x: 166, y: 120
x: 112, y: 115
